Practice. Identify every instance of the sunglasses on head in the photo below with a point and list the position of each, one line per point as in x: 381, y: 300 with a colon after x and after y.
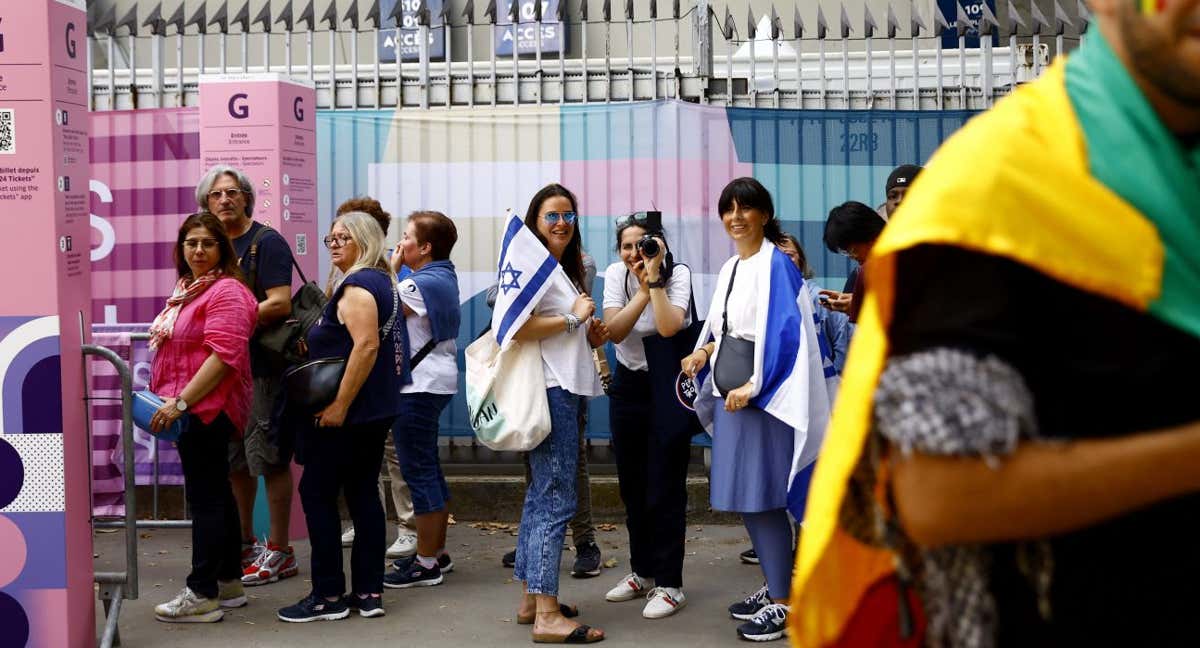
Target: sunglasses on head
x: 568, y: 217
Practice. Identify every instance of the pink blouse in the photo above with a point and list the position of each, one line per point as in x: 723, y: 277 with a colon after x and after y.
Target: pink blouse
x: 220, y: 320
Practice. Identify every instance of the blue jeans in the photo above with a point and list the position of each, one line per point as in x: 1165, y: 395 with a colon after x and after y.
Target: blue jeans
x: 550, y: 498
x: 415, y: 434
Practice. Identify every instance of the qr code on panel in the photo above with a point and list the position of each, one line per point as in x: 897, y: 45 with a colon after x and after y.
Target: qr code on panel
x: 8, y: 132
x: 301, y: 244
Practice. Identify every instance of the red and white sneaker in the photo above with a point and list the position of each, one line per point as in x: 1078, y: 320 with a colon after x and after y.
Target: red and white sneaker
x: 273, y: 564
x: 663, y: 602
x: 251, y: 551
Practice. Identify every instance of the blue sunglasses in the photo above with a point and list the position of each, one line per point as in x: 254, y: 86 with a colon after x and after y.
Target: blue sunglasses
x: 567, y: 217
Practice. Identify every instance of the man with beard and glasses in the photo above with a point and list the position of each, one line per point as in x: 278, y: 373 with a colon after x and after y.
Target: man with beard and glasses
x: 987, y: 484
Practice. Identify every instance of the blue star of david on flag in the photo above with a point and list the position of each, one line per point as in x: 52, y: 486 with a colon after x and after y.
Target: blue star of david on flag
x: 512, y: 275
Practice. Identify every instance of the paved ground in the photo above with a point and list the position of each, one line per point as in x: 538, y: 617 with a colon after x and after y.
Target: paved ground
x: 474, y: 607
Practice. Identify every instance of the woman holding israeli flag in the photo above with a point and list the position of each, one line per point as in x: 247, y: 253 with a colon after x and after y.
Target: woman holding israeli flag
x: 541, y: 299
x: 760, y: 351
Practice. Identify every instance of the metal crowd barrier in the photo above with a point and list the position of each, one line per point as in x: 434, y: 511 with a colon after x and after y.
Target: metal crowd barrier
x: 118, y: 586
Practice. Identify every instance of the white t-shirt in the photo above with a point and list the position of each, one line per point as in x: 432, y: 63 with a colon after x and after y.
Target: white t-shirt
x: 567, y: 358
x: 620, y: 284
x: 743, y: 301
x: 438, y: 372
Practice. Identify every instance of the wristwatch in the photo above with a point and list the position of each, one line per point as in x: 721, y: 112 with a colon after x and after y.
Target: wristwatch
x: 662, y: 282
x: 180, y: 404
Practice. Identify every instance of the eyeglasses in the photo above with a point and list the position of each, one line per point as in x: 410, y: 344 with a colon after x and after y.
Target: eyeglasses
x: 206, y: 243
x: 217, y: 194
x: 567, y: 217
x: 338, y: 239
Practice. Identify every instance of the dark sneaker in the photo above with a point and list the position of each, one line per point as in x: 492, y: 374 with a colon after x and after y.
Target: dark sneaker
x: 314, y: 608
x: 368, y: 606
x: 768, y: 625
x: 749, y: 556
x: 745, y: 610
x: 445, y: 563
x: 413, y: 574
x: 587, y: 560
x: 509, y: 559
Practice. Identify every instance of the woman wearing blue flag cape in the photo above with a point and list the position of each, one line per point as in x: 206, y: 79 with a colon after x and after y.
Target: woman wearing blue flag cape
x: 429, y: 295
x: 768, y: 403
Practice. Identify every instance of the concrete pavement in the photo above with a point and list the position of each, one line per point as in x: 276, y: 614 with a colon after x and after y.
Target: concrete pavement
x: 475, y: 606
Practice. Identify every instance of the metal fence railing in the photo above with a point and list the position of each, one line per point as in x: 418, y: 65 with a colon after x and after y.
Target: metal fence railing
x: 409, y: 57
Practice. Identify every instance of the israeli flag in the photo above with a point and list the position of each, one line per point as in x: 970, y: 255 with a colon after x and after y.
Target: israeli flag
x: 524, y: 272
x: 791, y: 381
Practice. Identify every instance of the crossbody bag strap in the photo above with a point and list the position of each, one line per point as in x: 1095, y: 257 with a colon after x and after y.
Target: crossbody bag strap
x: 728, y: 291
x: 252, y: 276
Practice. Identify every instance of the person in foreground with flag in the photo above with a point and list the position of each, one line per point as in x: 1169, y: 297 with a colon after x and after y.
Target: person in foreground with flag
x: 540, y: 299
x: 767, y: 367
x: 985, y: 484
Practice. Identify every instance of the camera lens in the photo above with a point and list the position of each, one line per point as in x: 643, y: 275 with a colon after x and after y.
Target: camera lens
x: 648, y: 246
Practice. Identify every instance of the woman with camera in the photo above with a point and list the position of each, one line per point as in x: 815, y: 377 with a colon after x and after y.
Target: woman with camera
x: 772, y: 402
x: 645, y: 296
x: 341, y: 445
x: 202, y: 369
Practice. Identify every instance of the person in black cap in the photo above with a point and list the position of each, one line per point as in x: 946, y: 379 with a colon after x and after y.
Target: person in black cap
x: 897, y: 185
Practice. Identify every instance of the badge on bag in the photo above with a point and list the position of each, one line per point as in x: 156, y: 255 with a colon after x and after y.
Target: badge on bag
x: 686, y: 390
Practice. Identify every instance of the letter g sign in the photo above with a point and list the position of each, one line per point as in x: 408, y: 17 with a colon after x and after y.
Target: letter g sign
x: 70, y: 41
x: 297, y: 108
x: 239, y: 110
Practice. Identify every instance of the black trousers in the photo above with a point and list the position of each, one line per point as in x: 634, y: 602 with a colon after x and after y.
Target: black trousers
x: 652, y: 469
x: 345, y: 459
x: 216, y: 530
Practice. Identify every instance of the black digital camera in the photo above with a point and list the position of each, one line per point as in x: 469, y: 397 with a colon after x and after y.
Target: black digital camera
x: 651, y: 221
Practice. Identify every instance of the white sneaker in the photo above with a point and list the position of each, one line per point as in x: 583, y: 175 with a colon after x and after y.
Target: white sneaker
x: 404, y: 546
x: 663, y: 602
x: 630, y: 587
x: 189, y: 607
x: 348, y: 537
x: 232, y: 593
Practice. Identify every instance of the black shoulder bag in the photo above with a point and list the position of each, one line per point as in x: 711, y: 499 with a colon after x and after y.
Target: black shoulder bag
x: 280, y: 341
x: 735, y: 359
x: 314, y: 384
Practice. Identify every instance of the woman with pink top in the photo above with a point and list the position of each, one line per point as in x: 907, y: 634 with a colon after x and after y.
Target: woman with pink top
x: 202, y: 372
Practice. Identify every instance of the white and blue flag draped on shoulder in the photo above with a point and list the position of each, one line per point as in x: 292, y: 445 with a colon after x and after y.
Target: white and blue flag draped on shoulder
x: 524, y: 272
x: 791, y: 380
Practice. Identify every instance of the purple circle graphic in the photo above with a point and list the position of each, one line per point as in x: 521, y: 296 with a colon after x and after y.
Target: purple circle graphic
x: 14, y: 622
x: 12, y: 474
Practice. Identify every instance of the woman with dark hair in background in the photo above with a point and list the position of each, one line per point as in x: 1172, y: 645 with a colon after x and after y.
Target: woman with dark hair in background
x: 641, y: 301
x: 561, y: 322
x: 768, y: 370
x: 202, y: 371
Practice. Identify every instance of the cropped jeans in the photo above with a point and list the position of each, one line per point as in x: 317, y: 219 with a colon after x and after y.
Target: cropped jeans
x: 550, y: 498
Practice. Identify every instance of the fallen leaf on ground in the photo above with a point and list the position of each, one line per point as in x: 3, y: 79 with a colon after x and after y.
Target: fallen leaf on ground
x: 451, y: 521
x: 610, y: 563
x: 606, y: 527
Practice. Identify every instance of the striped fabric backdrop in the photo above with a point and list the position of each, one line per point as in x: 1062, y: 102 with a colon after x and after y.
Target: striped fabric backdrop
x: 473, y: 164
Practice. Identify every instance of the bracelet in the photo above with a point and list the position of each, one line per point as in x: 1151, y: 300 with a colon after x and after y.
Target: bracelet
x: 707, y: 356
x: 661, y: 283
x: 572, y: 322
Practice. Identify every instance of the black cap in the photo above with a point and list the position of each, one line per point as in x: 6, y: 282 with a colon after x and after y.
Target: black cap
x: 902, y: 176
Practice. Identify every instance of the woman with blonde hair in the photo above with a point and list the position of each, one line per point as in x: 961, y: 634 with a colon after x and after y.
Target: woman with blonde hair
x: 341, y: 445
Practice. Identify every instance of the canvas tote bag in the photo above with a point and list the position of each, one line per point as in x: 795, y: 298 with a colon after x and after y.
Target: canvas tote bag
x: 506, y: 394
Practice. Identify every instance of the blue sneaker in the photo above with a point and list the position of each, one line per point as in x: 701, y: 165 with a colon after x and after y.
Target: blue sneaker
x: 413, y: 574
x: 368, y: 607
x: 314, y: 608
